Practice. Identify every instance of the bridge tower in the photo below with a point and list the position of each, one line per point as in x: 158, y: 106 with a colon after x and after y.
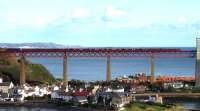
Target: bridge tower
x: 197, y: 69
x: 65, y: 71
x: 152, y: 68
x: 108, y: 72
x: 22, y: 70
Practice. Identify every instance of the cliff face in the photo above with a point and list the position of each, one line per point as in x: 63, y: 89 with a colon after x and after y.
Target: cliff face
x: 35, y: 73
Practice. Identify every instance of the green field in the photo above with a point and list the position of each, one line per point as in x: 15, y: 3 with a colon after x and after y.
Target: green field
x: 135, y: 106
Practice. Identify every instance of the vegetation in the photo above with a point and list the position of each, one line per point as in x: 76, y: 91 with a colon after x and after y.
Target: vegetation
x: 77, y: 83
x: 10, y: 73
x: 135, y: 106
x: 35, y: 73
x: 154, y: 87
x: 39, y: 73
x: 190, y: 89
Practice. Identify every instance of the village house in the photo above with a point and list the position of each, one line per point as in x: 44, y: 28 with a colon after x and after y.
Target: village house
x: 5, y: 86
x: 175, y: 84
x: 120, y: 89
x: 18, y: 93
x: 94, y: 90
x: 80, y: 97
x: 4, y: 96
x: 41, y: 91
x: 104, y: 98
x: 139, y: 88
x: 55, y: 95
x: 63, y: 96
x: 79, y: 100
x: 120, y: 99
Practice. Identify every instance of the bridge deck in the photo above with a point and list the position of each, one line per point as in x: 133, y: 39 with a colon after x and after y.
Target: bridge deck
x: 103, y: 52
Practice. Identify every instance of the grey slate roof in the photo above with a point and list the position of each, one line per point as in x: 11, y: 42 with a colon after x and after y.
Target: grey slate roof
x: 5, y: 84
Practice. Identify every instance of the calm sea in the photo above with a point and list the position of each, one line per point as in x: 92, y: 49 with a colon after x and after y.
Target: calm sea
x: 95, y: 68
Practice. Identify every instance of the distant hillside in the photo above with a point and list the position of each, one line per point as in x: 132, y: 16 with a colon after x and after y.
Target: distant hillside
x: 35, y: 45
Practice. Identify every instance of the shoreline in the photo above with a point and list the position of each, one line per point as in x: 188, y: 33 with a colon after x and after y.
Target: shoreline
x: 48, y: 105
x: 63, y: 106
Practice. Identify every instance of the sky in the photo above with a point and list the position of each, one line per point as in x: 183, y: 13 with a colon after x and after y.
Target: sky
x: 101, y: 23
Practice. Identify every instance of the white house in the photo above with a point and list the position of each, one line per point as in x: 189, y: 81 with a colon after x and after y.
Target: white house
x: 118, y: 90
x: 56, y: 88
x: 41, y: 91
x: 175, y: 85
x: 108, y: 90
x: 1, y: 80
x: 94, y: 90
x: 57, y: 95
x: 5, y: 86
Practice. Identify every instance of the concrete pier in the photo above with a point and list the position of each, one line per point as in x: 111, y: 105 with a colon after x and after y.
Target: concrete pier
x: 152, y: 69
x: 22, y: 71
x: 65, y: 71
x: 197, y: 69
x: 108, y: 72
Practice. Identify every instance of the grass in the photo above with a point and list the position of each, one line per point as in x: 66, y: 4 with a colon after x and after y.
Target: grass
x: 40, y: 73
x: 135, y: 106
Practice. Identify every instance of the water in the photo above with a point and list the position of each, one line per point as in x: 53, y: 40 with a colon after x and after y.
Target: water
x: 22, y: 108
x: 43, y: 108
x: 95, y: 68
x: 186, y: 104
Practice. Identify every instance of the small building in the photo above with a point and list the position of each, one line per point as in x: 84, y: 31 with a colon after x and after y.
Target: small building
x: 175, y: 84
x: 94, y: 90
x: 120, y: 99
x: 18, y: 94
x: 79, y: 100
x: 104, y: 98
x: 80, y: 97
x: 1, y: 80
x: 5, y: 86
x: 118, y: 90
x: 64, y: 96
x: 4, y: 96
x: 55, y: 95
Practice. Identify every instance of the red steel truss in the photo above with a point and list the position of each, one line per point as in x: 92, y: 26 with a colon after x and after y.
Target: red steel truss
x: 102, y: 52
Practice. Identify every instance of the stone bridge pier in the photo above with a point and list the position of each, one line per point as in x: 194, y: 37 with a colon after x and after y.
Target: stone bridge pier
x: 197, y: 68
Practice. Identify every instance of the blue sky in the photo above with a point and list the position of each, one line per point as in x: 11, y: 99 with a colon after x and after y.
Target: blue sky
x: 101, y: 23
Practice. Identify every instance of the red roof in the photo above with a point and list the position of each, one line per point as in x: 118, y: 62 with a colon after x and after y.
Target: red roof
x: 173, y: 78
x: 83, y: 93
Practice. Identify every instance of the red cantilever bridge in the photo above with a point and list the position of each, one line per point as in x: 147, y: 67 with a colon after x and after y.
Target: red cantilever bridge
x: 98, y: 52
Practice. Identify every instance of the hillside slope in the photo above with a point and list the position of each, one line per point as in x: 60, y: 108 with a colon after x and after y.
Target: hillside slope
x: 35, y: 73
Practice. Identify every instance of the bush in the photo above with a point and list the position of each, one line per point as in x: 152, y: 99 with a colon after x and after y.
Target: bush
x: 196, y: 89
x: 29, y: 98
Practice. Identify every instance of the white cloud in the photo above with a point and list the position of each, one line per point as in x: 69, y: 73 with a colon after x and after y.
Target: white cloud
x: 181, y: 20
x: 128, y: 24
x: 80, y: 13
x: 112, y: 13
